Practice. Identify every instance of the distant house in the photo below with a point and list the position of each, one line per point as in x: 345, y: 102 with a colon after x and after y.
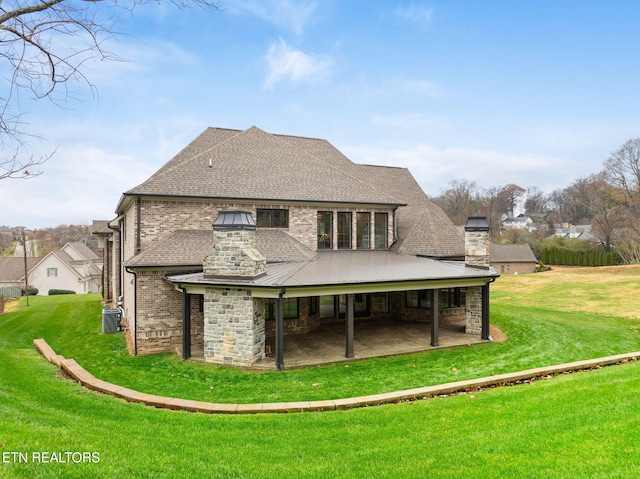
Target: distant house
x: 520, y: 222
x: 74, y: 267
x: 579, y: 232
x: 12, y: 274
x: 512, y: 258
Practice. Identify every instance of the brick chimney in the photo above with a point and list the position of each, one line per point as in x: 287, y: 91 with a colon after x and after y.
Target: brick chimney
x: 235, y: 254
x: 476, y: 242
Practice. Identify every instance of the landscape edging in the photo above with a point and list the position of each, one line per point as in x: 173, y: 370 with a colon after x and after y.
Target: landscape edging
x: 86, y: 379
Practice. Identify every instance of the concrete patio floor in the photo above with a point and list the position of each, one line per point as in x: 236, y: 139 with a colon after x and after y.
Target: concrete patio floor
x: 327, y: 344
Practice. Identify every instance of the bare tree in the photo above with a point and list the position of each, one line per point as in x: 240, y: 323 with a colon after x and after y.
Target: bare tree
x: 509, y: 197
x: 44, y: 45
x: 623, y: 170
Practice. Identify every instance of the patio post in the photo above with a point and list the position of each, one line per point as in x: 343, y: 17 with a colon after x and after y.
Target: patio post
x: 350, y: 309
x: 280, y: 332
x: 435, y: 330
x: 186, y: 324
x: 485, y: 331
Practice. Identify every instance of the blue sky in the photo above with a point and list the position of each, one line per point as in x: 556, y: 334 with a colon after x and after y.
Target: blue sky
x: 536, y: 93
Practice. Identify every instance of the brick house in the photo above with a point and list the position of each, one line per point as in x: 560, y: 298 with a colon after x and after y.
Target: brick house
x: 513, y: 258
x: 245, y: 238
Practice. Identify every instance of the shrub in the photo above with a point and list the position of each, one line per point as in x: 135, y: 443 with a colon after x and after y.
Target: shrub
x: 53, y: 292
x: 32, y: 292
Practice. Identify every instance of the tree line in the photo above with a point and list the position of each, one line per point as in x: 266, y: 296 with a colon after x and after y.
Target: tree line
x: 609, y: 201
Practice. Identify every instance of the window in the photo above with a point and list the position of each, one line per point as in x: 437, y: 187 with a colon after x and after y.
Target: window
x: 52, y: 272
x: 363, y: 230
x: 344, y: 230
x: 325, y: 230
x: 267, y: 218
x: 314, y: 305
x: 419, y: 299
x: 453, y: 297
x: 289, y: 311
x: 380, y: 303
x: 381, y: 225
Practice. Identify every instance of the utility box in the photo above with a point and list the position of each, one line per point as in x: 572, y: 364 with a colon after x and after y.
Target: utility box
x: 110, y: 320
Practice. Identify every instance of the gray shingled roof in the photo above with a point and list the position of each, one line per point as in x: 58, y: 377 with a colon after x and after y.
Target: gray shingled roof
x: 426, y: 231
x: 254, y: 164
x: 190, y: 247
x: 12, y: 268
x: 511, y: 253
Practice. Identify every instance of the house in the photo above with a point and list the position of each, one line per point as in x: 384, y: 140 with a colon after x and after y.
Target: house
x: 579, y: 232
x: 74, y: 268
x: 12, y: 271
x: 520, y: 222
x: 513, y: 258
x: 245, y: 239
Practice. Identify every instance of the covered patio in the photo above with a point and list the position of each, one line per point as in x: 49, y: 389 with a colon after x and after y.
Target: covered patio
x: 372, y: 338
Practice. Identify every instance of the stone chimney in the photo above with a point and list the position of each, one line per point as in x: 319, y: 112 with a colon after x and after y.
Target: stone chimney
x: 235, y: 254
x: 476, y: 242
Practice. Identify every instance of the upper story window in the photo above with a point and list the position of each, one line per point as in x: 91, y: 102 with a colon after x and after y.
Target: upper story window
x: 272, y: 218
x: 52, y: 272
x: 344, y: 230
x: 325, y: 230
x: 381, y: 226
x: 363, y: 230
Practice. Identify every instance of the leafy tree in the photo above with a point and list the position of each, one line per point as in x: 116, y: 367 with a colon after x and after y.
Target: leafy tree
x: 44, y: 45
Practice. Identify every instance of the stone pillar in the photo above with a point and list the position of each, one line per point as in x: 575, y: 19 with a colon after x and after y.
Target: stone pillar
x: 476, y: 242
x: 474, y: 310
x: 234, y: 326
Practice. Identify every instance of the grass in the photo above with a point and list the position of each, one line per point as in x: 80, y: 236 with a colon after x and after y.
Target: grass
x: 580, y: 425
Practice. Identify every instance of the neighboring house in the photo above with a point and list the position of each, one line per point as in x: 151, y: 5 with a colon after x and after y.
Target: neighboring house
x: 513, y: 258
x: 12, y: 274
x: 520, y: 222
x: 245, y: 237
x: 74, y: 267
x: 579, y: 232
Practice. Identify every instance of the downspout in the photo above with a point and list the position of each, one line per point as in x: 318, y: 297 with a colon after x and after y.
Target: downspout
x: 135, y: 309
x: 138, y: 223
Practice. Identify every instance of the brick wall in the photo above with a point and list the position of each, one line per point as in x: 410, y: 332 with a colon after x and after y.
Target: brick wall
x: 159, y: 314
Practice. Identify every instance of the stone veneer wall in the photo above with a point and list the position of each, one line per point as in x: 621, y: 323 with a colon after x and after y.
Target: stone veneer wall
x: 234, y: 327
x: 476, y: 248
x: 473, y: 324
x: 234, y: 254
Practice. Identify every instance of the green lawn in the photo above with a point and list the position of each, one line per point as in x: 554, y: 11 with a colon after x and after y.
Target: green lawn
x: 579, y: 425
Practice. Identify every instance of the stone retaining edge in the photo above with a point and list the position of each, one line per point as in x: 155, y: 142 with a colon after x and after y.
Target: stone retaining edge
x: 87, y: 380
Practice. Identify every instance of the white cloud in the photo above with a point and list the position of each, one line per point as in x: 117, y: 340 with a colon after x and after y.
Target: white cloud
x: 286, y: 63
x: 290, y: 14
x: 415, y: 13
x: 433, y: 168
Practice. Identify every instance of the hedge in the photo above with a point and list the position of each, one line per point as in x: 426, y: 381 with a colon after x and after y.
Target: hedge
x: 53, y: 292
